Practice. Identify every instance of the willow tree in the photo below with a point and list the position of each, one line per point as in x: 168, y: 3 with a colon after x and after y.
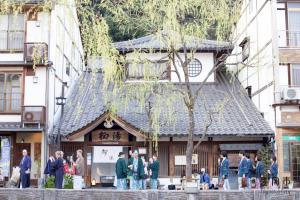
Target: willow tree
x: 177, y: 24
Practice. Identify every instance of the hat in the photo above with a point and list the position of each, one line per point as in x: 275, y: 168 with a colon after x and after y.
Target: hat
x: 120, y: 154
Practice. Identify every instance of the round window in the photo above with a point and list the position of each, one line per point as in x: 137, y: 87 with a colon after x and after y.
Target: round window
x: 194, y: 68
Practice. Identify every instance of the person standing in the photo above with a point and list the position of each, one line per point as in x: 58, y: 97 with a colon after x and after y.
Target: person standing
x: 129, y: 172
x: 144, y: 180
x: 249, y: 169
x: 137, y: 171
x: 121, y: 172
x: 79, y: 163
x: 259, y: 169
x: 224, y: 170
x: 242, y: 170
x: 273, y: 173
x: 49, y: 169
x: 59, y: 170
x: 25, y: 167
x: 154, y: 170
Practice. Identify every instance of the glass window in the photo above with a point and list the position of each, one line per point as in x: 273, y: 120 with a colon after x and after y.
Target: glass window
x: 12, y: 32
x: 153, y: 70
x: 294, y: 24
x: 10, y: 92
x: 295, y: 75
x: 286, y: 156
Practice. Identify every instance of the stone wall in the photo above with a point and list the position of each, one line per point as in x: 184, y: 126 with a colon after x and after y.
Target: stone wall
x: 93, y: 194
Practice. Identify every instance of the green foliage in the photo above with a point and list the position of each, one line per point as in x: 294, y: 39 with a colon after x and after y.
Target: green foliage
x: 265, y: 153
x: 68, y: 181
x: 50, y: 182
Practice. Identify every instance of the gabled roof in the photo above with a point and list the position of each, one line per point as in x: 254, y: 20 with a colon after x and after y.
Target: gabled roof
x: 85, y: 106
x: 158, y: 43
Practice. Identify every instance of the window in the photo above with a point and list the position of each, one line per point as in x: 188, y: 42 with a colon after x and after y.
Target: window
x: 286, y: 156
x: 295, y: 75
x: 10, y: 92
x: 245, y: 44
x: 153, y: 70
x: 68, y: 68
x: 194, y: 68
x: 294, y: 24
x: 12, y: 32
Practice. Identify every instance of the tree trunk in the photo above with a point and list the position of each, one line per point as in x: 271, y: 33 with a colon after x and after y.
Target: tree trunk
x: 190, y: 144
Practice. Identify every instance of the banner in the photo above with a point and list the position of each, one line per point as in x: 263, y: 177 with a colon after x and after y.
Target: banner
x: 5, y: 156
x: 106, y: 154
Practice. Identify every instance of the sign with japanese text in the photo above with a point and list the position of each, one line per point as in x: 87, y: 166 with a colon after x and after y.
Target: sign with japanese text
x: 109, y: 136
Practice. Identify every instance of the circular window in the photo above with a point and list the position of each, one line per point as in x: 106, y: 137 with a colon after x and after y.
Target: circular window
x: 194, y: 68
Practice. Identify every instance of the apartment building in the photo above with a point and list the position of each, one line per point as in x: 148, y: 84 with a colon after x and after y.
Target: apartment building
x: 41, y: 55
x: 267, y: 46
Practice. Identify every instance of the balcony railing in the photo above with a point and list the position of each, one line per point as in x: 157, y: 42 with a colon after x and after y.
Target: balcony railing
x: 33, y: 115
x: 288, y: 38
x: 11, y: 40
x: 10, y: 102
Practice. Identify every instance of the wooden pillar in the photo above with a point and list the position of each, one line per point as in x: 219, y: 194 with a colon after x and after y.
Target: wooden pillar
x: 210, y: 156
x: 150, y: 148
x: 171, y: 158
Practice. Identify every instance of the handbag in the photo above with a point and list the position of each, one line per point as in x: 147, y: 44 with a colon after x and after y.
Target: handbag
x: 244, y: 182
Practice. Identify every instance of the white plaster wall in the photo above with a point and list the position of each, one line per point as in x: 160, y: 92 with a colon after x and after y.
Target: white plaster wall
x: 10, y: 118
x: 11, y: 56
x: 38, y: 31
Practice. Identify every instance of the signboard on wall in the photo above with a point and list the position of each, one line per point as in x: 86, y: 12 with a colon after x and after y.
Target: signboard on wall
x: 109, y: 136
x: 181, y: 159
x: 106, y: 154
x: 5, y: 156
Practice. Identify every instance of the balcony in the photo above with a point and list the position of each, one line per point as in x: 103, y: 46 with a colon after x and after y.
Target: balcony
x: 36, y: 53
x: 10, y: 102
x: 11, y: 40
x: 33, y: 116
x: 289, y: 46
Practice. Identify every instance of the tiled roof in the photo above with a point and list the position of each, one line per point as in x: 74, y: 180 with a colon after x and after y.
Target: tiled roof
x: 240, y: 116
x: 156, y: 42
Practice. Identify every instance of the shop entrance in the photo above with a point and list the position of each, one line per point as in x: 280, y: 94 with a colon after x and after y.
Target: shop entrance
x: 295, y: 163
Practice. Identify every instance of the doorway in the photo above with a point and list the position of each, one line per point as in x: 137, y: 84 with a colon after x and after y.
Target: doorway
x: 295, y: 163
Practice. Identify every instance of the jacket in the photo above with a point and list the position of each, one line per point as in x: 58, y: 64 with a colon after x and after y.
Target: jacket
x: 79, y: 166
x: 121, y: 168
x: 274, y: 170
x: 130, y: 162
x: 154, y: 167
x: 243, y: 167
x: 249, y: 168
x: 259, y: 169
x: 25, y: 164
x: 224, y: 169
x: 140, y: 172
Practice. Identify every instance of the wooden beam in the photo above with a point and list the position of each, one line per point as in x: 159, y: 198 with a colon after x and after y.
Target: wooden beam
x: 171, y: 158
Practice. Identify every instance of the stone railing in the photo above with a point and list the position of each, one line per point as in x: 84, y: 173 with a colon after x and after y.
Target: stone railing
x: 103, y: 194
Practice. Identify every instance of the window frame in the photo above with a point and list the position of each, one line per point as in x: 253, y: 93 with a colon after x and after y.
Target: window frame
x: 291, y: 74
x: 5, y: 109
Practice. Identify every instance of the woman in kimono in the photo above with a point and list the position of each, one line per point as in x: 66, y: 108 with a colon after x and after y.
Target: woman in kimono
x: 59, y: 170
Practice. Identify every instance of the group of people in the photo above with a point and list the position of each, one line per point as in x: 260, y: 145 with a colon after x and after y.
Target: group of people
x: 246, y: 170
x: 137, y: 170
x: 58, y: 167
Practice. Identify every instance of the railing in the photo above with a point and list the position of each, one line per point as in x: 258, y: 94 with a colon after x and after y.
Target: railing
x: 33, y: 115
x: 289, y: 38
x: 36, y: 52
x: 11, y: 40
x: 10, y: 102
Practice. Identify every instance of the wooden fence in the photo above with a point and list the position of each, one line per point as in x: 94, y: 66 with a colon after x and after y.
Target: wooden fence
x: 93, y: 194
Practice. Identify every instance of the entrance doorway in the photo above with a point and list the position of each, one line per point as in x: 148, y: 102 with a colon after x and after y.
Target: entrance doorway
x: 295, y: 163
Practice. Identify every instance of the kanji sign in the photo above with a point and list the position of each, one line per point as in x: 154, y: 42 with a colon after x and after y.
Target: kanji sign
x: 109, y: 136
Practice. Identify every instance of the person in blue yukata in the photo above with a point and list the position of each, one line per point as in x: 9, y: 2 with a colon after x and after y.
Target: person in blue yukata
x: 224, y: 170
x: 59, y: 170
x: 121, y: 172
x: 259, y: 169
x: 25, y: 167
x: 154, y: 169
x: 273, y: 174
x: 249, y: 169
x: 137, y: 168
x: 205, y: 179
x: 242, y: 170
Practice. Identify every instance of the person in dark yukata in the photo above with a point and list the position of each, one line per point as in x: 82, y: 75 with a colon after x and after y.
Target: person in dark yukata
x: 121, y: 172
x: 59, y: 170
x: 242, y: 170
x: 249, y: 169
x: 25, y: 167
x: 49, y: 169
x: 224, y: 170
x: 205, y: 180
x: 154, y: 171
x: 273, y: 174
x: 259, y: 172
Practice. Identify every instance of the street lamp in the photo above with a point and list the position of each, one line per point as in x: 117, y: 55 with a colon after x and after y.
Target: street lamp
x: 61, y: 101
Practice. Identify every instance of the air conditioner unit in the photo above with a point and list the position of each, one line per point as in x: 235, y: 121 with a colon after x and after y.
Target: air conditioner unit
x: 291, y: 94
x: 37, y: 51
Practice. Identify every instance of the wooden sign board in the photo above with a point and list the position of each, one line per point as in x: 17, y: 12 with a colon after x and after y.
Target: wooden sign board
x: 109, y: 136
x: 181, y: 159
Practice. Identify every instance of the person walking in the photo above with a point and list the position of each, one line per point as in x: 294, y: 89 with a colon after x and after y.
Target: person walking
x: 59, y: 170
x: 137, y: 171
x: 242, y: 171
x: 121, y: 172
x: 224, y: 170
x: 129, y: 167
x: 25, y: 167
x: 154, y: 170
x: 249, y: 170
x: 259, y: 169
x: 273, y: 174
